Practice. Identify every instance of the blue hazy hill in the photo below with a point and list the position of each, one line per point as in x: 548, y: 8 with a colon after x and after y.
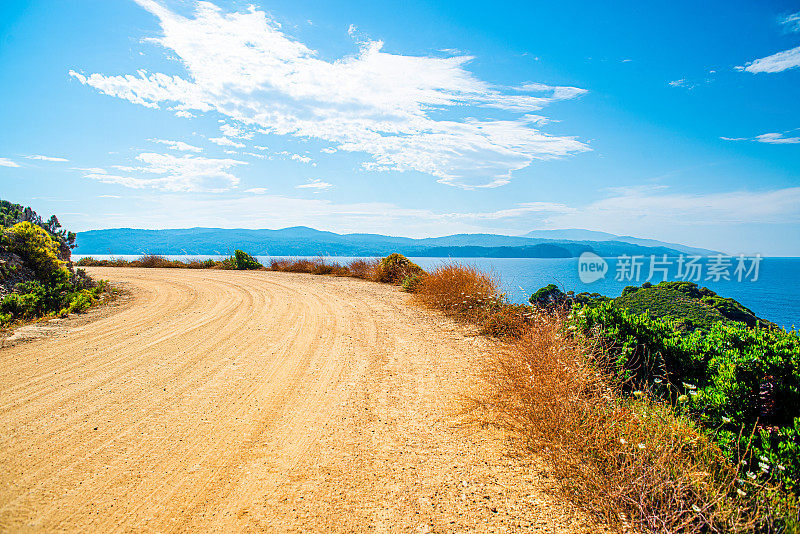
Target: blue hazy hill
x: 304, y: 241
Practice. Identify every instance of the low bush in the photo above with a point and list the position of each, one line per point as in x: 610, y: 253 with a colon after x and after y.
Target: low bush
x: 364, y: 269
x: 740, y: 384
x: 320, y: 267
x: 37, y: 249
x: 394, y: 268
x: 507, y: 321
x: 246, y: 262
x: 35, y: 266
x: 459, y: 290
x: 632, y: 461
x: 411, y: 283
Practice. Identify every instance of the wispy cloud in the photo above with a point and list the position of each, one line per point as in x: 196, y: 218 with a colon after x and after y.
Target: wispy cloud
x: 788, y: 59
x: 781, y: 61
x: 173, y: 173
x: 5, y: 162
x: 792, y: 22
x: 257, y: 190
x: 231, y: 131
x: 315, y: 183
x: 177, y: 145
x: 45, y: 158
x: 646, y: 209
x: 224, y: 141
x: 296, y: 157
x: 388, y: 106
x: 775, y: 138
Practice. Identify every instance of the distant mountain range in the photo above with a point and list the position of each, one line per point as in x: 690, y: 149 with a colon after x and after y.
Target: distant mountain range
x: 592, y: 235
x: 304, y: 241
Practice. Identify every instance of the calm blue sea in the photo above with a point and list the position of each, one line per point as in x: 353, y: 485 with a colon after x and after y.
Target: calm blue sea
x: 774, y: 295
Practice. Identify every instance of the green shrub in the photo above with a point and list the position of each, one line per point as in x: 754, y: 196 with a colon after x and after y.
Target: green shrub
x: 245, y: 262
x: 547, y: 295
x: 80, y: 301
x: 37, y: 249
x: 12, y: 305
x: 411, y: 283
x: 394, y: 268
x: 629, y: 289
x: 735, y: 381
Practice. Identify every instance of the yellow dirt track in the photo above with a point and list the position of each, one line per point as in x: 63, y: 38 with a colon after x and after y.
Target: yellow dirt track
x: 226, y: 401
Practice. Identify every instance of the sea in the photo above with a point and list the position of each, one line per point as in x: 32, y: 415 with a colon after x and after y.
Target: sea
x: 770, y: 287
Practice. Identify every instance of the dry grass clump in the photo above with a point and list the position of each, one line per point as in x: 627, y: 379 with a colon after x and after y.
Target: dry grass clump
x: 292, y: 265
x: 364, y: 269
x: 506, y: 321
x: 154, y: 261
x: 318, y: 266
x: 459, y: 290
x: 629, y: 461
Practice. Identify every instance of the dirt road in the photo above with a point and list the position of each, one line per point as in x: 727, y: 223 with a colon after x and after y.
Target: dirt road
x: 223, y: 401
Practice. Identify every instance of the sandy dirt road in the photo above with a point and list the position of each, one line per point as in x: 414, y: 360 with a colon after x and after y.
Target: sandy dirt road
x: 220, y: 401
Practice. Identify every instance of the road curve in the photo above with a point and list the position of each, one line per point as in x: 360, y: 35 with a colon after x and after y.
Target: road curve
x: 225, y: 401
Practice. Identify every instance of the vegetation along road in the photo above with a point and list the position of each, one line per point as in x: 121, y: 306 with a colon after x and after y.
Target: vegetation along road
x: 231, y: 401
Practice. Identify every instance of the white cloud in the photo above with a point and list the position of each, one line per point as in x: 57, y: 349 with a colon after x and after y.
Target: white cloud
x: 257, y: 190
x: 177, y: 145
x: 678, y: 83
x: 173, y: 173
x: 788, y: 59
x: 45, y: 158
x: 4, y: 162
x: 774, y: 138
x: 385, y: 105
x: 777, y: 139
x: 520, y: 210
x: 792, y: 22
x: 231, y: 131
x: 257, y: 156
x: 647, y: 210
x: 224, y: 141
x: 315, y: 183
x: 296, y: 157
x: 184, y: 114
x: 108, y: 196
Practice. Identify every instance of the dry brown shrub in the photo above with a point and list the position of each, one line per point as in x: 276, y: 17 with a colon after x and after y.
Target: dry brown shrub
x: 629, y: 461
x: 155, y: 261
x: 294, y: 265
x: 279, y: 264
x: 365, y: 269
x: 459, y: 290
x: 506, y: 321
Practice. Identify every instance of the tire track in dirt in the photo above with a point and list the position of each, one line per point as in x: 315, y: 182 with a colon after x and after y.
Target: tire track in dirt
x: 231, y: 401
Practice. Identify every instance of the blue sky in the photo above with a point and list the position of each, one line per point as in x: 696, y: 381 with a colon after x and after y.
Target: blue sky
x: 677, y: 121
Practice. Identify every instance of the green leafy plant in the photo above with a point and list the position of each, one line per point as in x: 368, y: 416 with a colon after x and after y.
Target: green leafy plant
x: 394, y: 268
x: 411, y: 283
x: 740, y: 383
x: 246, y: 262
